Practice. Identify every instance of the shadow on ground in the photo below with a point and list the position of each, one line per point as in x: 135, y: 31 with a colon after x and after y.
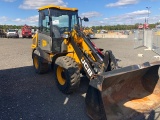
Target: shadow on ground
x: 29, y: 96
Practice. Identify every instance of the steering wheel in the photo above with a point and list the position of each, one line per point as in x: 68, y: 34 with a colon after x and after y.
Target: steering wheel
x: 56, y: 31
x: 64, y: 29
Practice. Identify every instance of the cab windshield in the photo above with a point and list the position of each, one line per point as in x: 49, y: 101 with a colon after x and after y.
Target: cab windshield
x: 64, y: 20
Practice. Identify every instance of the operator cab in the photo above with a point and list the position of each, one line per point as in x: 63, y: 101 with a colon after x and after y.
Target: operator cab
x: 53, y: 22
x: 64, y: 20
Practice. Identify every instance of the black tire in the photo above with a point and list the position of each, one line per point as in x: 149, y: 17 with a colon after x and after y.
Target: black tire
x: 112, y: 61
x: 38, y: 64
x: 88, y: 36
x: 67, y: 74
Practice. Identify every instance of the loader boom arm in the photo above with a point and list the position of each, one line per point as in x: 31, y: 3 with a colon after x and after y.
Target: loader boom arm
x: 89, y: 58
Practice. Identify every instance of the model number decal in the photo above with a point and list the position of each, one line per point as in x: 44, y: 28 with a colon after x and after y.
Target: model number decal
x: 86, y: 66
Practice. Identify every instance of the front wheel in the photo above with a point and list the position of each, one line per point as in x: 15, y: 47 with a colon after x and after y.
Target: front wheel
x: 67, y: 74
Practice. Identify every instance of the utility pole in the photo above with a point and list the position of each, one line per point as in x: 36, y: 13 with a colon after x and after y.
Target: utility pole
x: 148, y: 8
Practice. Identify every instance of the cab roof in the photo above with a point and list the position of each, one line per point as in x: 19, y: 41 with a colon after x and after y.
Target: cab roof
x: 57, y: 7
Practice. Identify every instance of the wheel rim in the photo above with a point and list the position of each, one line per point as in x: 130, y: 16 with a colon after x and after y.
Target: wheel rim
x: 60, y: 75
x: 36, y: 64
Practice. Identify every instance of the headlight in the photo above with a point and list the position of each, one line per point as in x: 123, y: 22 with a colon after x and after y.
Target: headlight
x: 64, y: 35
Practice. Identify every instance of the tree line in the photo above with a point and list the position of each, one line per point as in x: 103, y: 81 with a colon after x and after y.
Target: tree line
x: 106, y: 27
x: 121, y: 27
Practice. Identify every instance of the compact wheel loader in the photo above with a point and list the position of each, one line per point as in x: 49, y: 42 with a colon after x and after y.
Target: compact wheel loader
x: 114, y: 93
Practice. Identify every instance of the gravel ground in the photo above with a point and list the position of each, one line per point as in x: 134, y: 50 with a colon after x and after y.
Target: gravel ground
x: 123, y: 49
x: 29, y: 96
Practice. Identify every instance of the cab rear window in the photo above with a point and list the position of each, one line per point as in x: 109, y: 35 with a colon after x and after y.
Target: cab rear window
x: 11, y: 30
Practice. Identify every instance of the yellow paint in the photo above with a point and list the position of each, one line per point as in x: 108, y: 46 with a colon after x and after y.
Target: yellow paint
x: 87, y: 50
x: 57, y: 7
x: 76, y: 38
x: 35, y: 60
x: 72, y: 53
x: 34, y: 41
x: 59, y: 72
x: 82, y: 44
x: 51, y: 55
x: 88, y: 31
x: 66, y: 41
x: 44, y: 43
x: 157, y: 33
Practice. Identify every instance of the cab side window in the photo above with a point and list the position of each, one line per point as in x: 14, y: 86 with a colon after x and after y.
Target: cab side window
x: 44, y: 25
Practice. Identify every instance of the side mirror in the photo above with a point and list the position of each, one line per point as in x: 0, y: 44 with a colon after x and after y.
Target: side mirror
x: 85, y: 19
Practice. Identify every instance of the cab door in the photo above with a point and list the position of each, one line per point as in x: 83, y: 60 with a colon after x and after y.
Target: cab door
x: 44, y: 38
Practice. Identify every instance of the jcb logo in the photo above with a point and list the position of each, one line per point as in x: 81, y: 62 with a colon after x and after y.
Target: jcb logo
x: 44, y: 43
x: 86, y: 66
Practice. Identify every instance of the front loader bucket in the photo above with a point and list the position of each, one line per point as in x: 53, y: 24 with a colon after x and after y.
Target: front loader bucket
x: 127, y: 93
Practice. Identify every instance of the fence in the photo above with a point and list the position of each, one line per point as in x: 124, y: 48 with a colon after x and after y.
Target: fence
x: 147, y: 38
x: 138, y: 39
x: 156, y: 42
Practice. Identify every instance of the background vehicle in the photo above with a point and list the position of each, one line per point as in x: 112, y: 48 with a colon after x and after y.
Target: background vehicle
x: 2, y: 33
x: 26, y: 31
x: 143, y: 26
x: 113, y: 93
x: 12, y: 33
x: 87, y: 31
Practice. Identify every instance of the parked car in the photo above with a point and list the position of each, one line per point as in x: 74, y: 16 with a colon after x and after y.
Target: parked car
x: 26, y: 31
x: 12, y: 33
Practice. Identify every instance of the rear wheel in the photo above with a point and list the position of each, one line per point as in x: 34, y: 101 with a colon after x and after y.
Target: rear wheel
x: 67, y: 74
x: 39, y: 66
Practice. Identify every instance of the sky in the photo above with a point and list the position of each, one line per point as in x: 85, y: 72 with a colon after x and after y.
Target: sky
x: 99, y: 12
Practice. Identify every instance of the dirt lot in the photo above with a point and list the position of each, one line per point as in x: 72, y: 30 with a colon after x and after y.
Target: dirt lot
x: 26, y: 95
x: 123, y: 49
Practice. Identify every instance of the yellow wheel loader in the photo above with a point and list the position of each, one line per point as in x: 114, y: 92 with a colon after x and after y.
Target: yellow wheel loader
x: 114, y: 93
